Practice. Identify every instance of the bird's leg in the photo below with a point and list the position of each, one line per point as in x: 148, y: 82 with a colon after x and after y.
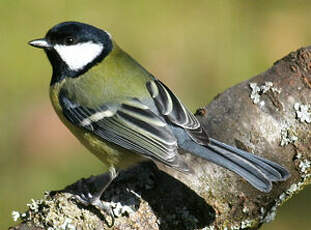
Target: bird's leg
x: 90, y: 191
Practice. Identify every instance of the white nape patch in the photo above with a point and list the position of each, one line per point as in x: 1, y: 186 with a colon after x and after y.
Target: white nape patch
x: 96, y: 117
x: 79, y: 55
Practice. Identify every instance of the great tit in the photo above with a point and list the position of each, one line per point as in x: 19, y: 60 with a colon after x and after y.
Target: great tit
x: 124, y: 115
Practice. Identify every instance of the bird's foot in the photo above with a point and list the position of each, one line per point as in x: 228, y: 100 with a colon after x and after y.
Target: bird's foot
x: 84, y: 195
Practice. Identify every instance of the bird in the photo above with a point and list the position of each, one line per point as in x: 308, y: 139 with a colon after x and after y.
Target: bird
x: 124, y: 115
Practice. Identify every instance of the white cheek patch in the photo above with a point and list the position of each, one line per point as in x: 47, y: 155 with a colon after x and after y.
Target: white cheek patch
x: 79, y: 55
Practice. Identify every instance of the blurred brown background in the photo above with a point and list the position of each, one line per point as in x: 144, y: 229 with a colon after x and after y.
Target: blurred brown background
x: 198, y: 48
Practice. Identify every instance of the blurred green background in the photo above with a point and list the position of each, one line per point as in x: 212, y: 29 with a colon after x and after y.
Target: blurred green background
x: 198, y: 48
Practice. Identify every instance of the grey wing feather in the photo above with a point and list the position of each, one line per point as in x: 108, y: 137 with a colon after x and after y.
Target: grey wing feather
x: 256, y: 170
x: 175, y: 112
x: 131, y: 125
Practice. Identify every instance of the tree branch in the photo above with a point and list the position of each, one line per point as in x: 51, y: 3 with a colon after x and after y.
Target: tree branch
x: 268, y: 115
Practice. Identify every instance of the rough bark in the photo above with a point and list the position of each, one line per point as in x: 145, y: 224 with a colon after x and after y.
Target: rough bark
x: 268, y: 115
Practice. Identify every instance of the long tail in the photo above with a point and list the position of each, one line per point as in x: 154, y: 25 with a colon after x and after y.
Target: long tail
x: 258, y: 171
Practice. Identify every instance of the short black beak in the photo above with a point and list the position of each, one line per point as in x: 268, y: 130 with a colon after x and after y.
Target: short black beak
x: 40, y: 43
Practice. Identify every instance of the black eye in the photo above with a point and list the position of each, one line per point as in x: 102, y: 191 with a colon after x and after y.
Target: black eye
x: 69, y: 41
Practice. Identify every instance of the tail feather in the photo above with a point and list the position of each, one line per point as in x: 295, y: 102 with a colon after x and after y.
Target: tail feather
x: 258, y: 171
x: 242, y: 167
x: 274, y: 171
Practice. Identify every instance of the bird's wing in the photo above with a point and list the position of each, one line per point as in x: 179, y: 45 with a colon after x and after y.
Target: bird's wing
x: 131, y: 125
x: 175, y: 112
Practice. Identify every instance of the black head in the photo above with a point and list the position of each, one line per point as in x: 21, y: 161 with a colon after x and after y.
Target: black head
x: 73, y: 48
